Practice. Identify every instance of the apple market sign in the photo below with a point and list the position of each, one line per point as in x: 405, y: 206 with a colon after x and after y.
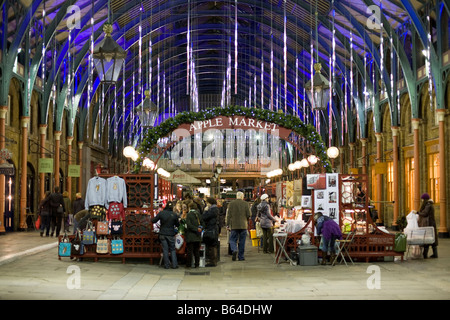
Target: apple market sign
x: 234, y: 122
x: 229, y: 139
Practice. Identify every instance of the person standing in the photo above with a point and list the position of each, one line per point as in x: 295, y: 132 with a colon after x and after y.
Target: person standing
x: 77, y: 204
x: 167, y: 231
x: 44, y: 213
x: 266, y: 219
x: 426, y: 219
x: 238, y: 214
x: 210, y: 237
x: 330, y: 232
x: 57, y: 211
x: 254, y: 211
x: 193, y: 235
x: 68, y: 217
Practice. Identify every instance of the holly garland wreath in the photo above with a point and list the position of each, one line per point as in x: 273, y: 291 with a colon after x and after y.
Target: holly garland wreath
x: 290, y: 122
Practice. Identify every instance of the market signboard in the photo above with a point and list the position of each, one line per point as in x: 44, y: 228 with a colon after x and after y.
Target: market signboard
x: 45, y: 165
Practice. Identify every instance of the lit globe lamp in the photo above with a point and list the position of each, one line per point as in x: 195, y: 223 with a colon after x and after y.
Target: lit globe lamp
x: 332, y: 153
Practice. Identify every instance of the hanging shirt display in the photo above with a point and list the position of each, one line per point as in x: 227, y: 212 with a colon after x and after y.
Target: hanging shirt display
x: 116, y: 191
x: 95, y: 192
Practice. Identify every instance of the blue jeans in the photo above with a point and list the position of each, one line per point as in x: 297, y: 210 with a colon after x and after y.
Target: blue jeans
x: 238, y: 236
x: 168, y: 245
x: 329, y: 245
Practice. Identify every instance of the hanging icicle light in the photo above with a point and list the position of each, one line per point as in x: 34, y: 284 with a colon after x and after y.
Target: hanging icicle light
x: 318, y: 88
x: 108, y: 57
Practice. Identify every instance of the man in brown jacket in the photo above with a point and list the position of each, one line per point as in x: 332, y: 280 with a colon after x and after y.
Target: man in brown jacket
x: 238, y: 213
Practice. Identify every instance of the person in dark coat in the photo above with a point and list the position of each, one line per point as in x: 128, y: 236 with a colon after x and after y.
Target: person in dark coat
x: 210, y: 217
x: 167, y: 231
x: 254, y: 212
x: 56, y: 201
x: 330, y: 232
x: 426, y: 219
x: 77, y: 204
x: 266, y: 220
x: 44, y: 213
x: 193, y: 235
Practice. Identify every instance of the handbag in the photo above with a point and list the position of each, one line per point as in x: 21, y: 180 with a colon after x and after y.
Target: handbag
x: 102, y: 228
x: 64, y: 247
x: 210, y: 236
x: 60, y: 209
x: 38, y: 222
x: 98, y: 212
x: 116, y: 246
x: 116, y: 227
x: 77, y: 247
x: 102, y: 246
x: 88, y: 234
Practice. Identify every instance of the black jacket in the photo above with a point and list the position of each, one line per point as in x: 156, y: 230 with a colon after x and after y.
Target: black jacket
x: 77, y: 205
x: 56, y: 199
x: 169, y: 221
x: 210, y: 218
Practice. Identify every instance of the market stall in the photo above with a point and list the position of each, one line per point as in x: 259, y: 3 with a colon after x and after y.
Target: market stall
x: 124, y: 231
x: 343, y: 198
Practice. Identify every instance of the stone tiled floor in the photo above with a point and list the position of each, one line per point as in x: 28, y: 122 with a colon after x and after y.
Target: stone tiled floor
x: 30, y: 269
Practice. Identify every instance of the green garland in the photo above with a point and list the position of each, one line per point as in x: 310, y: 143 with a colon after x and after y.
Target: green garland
x: 287, y: 121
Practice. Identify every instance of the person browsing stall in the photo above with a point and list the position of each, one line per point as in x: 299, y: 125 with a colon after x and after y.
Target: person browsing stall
x: 167, y: 231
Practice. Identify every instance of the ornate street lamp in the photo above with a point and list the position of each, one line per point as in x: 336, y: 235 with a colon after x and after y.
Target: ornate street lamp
x: 318, y: 88
x: 108, y: 57
x: 320, y: 93
x: 148, y: 111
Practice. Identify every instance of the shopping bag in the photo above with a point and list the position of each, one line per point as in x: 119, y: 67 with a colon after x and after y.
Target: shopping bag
x: 89, y: 234
x: 400, y: 242
x: 116, y: 246
x: 179, y: 240
x: 38, y: 222
x: 102, y: 228
x: 116, y: 227
x: 64, y: 247
x: 77, y: 247
x: 259, y: 231
x: 102, y: 246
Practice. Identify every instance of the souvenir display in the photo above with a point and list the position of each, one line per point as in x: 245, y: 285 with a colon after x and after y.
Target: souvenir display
x: 116, y: 246
x: 64, y: 247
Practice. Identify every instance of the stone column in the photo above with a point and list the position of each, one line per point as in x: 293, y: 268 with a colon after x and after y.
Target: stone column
x: 442, y: 229
x: 3, y: 110
x: 416, y: 196
x: 42, y: 134
x: 341, y: 159
x: 378, y: 182
x: 25, y: 121
x: 395, y: 132
x: 351, y: 160
x: 57, y: 148
x: 364, y: 155
x: 69, y: 162
x: 80, y: 162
